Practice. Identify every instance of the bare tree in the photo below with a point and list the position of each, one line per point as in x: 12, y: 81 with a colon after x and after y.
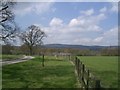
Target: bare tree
x: 7, y: 24
x: 32, y: 37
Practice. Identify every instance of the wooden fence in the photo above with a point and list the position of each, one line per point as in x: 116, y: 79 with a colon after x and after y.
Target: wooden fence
x: 86, y: 78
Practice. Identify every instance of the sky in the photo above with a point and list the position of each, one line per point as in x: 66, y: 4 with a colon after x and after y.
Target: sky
x: 76, y: 23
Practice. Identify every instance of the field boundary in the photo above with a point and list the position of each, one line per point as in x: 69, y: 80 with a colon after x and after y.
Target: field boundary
x: 85, y: 77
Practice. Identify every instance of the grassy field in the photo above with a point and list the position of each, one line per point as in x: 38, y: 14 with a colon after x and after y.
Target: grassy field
x: 56, y: 74
x: 104, y: 67
x: 10, y: 57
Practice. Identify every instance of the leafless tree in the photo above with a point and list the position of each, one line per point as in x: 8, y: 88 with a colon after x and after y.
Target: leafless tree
x: 32, y: 37
x: 7, y: 24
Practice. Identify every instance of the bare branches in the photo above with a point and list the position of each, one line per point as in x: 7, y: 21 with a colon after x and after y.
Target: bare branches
x: 7, y: 25
x: 33, y: 37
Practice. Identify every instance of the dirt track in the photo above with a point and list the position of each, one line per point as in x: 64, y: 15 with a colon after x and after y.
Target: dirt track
x: 25, y: 58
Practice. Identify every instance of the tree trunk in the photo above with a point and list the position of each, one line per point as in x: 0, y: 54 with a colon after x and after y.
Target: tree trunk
x: 31, y: 50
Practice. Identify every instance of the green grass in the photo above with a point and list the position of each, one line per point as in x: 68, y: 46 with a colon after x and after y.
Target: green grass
x: 10, y: 57
x: 56, y: 74
x: 0, y: 77
x: 103, y: 67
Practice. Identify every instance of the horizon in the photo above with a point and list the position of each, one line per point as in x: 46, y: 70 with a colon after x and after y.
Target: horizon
x: 73, y: 45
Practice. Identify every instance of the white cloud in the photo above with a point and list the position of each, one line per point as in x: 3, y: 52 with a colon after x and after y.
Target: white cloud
x: 42, y: 7
x: 87, y: 23
x: 84, y: 30
x: 70, y: 35
x: 112, y: 33
x: 103, y: 10
x: 74, y: 22
x: 38, y: 8
x: 56, y: 22
x: 101, y: 16
x: 80, y: 30
x: 98, y: 39
x: 88, y: 12
x: 109, y: 37
x: 84, y: 41
x: 114, y: 7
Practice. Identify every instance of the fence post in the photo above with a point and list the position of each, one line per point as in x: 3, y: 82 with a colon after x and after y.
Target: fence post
x: 76, y: 62
x: 78, y: 67
x: 69, y: 57
x: 80, y: 70
x: 88, y: 74
x: 97, y: 84
x: 83, y: 69
x: 43, y: 61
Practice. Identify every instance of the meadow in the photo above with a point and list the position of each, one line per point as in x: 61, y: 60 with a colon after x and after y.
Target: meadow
x: 104, y: 68
x: 57, y: 73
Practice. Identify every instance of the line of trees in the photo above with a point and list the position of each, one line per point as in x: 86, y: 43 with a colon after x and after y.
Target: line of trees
x: 24, y: 49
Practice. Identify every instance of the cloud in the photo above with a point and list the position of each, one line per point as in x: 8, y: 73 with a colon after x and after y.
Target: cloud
x: 41, y: 8
x: 56, y: 22
x: 103, y: 10
x: 75, y: 35
x: 88, y: 12
x: 79, y: 30
x: 109, y: 37
x: 87, y: 23
x: 98, y: 39
x: 83, y: 41
x: 112, y: 34
x: 33, y: 7
x: 84, y: 29
x: 74, y: 22
x: 114, y: 7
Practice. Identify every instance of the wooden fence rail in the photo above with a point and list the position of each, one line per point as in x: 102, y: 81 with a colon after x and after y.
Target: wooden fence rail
x: 86, y: 78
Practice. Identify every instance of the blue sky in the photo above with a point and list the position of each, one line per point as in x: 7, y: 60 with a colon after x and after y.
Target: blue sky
x: 82, y: 23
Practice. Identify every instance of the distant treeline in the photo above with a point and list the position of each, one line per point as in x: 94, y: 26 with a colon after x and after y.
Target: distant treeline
x: 108, y: 51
